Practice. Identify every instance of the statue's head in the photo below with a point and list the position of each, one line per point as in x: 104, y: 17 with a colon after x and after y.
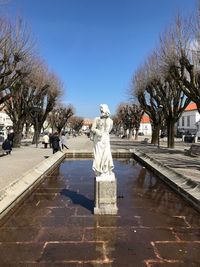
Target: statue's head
x: 104, y: 110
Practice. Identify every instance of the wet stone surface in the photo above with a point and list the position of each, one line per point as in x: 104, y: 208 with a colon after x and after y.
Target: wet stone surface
x: 55, y: 226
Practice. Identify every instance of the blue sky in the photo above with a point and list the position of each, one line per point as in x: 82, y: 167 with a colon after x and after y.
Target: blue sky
x: 95, y: 46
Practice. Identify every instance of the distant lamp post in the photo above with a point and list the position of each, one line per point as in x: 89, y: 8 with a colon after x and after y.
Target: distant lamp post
x: 160, y: 109
x: 34, y: 114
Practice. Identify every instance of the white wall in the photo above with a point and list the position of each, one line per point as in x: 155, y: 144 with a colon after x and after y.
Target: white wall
x: 145, y: 128
x: 5, y: 120
x: 190, y: 118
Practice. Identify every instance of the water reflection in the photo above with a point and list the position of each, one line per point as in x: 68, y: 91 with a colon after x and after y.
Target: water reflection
x: 59, y: 215
x: 78, y: 199
x: 105, y: 231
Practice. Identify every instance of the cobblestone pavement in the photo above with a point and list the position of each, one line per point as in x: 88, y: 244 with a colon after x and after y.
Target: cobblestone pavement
x: 56, y: 227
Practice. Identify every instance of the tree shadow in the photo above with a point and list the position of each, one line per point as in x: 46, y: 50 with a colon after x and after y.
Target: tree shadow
x: 79, y: 199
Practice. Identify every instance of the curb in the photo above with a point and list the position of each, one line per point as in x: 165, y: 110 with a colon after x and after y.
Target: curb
x: 187, y: 188
x: 18, y: 190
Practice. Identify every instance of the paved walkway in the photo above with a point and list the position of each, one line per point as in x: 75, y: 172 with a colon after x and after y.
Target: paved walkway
x: 174, y: 159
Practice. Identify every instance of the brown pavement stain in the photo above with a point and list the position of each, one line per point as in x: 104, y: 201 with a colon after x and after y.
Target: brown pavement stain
x: 55, y: 226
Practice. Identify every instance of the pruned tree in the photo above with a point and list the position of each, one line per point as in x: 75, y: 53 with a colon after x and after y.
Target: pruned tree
x: 48, y: 89
x: 183, y: 61
x: 76, y: 123
x: 59, y: 117
x: 129, y: 116
x: 158, y: 92
x: 16, y: 45
x: 32, y: 99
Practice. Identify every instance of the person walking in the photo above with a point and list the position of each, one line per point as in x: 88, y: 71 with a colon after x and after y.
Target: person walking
x: 55, y: 143
x: 50, y: 139
x: 10, y: 137
x: 45, y: 140
x: 6, y: 146
x: 63, y: 140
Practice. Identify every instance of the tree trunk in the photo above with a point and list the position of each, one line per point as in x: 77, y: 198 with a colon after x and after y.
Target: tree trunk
x: 155, y: 134
x: 27, y: 129
x: 170, y: 133
x: 130, y: 134
x: 18, y: 129
x: 37, y: 131
x: 136, y: 134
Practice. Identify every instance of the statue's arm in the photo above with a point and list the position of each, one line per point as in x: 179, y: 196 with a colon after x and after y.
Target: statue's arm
x: 95, y: 129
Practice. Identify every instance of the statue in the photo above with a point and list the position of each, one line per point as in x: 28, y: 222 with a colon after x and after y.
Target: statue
x: 101, y: 127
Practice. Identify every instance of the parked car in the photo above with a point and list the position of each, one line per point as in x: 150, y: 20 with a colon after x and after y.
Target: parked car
x: 189, y: 138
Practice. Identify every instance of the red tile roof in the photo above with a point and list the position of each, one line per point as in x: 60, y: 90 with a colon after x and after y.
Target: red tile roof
x: 145, y: 119
x: 191, y: 106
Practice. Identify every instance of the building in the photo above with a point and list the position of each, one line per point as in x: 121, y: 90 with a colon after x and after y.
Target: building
x: 145, y: 125
x: 87, y: 123
x: 5, y: 125
x: 187, y: 123
x: 5, y: 121
x: 189, y: 119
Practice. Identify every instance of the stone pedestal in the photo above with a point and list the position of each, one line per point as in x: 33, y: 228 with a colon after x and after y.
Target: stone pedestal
x: 106, y: 195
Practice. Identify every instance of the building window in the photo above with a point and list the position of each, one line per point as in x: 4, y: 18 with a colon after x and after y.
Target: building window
x: 183, y: 121
x: 188, y: 120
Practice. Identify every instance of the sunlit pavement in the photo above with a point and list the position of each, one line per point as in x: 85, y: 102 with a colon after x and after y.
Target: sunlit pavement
x: 56, y: 227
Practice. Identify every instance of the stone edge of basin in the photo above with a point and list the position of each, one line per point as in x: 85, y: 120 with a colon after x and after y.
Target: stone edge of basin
x: 15, y: 192
x: 187, y: 188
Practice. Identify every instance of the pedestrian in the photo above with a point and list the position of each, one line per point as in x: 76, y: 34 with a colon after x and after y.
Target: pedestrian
x: 11, y: 137
x: 50, y: 139
x: 63, y: 140
x: 45, y: 140
x: 6, y: 146
x: 55, y: 143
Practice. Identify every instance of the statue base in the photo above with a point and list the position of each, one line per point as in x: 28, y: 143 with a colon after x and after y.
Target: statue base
x: 106, y: 195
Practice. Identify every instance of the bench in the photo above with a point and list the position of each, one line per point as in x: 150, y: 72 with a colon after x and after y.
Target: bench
x: 193, y: 151
x: 145, y: 141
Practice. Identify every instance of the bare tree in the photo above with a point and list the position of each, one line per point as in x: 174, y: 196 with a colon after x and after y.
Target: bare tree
x: 15, y: 48
x: 129, y: 116
x: 59, y: 117
x: 76, y: 123
x: 184, y: 65
x: 159, y: 93
x: 32, y: 99
x: 48, y: 89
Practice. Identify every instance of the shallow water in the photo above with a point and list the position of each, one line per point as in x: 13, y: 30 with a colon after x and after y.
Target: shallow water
x: 55, y: 226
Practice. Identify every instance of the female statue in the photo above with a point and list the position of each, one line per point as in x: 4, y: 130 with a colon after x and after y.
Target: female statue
x: 101, y: 127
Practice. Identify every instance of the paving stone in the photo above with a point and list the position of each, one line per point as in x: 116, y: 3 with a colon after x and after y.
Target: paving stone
x: 15, y: 234
x: 13, y: 253
x: 58, y: 252
x: 62, y: 233
x: 184, y: 251
x: 191, y: 234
